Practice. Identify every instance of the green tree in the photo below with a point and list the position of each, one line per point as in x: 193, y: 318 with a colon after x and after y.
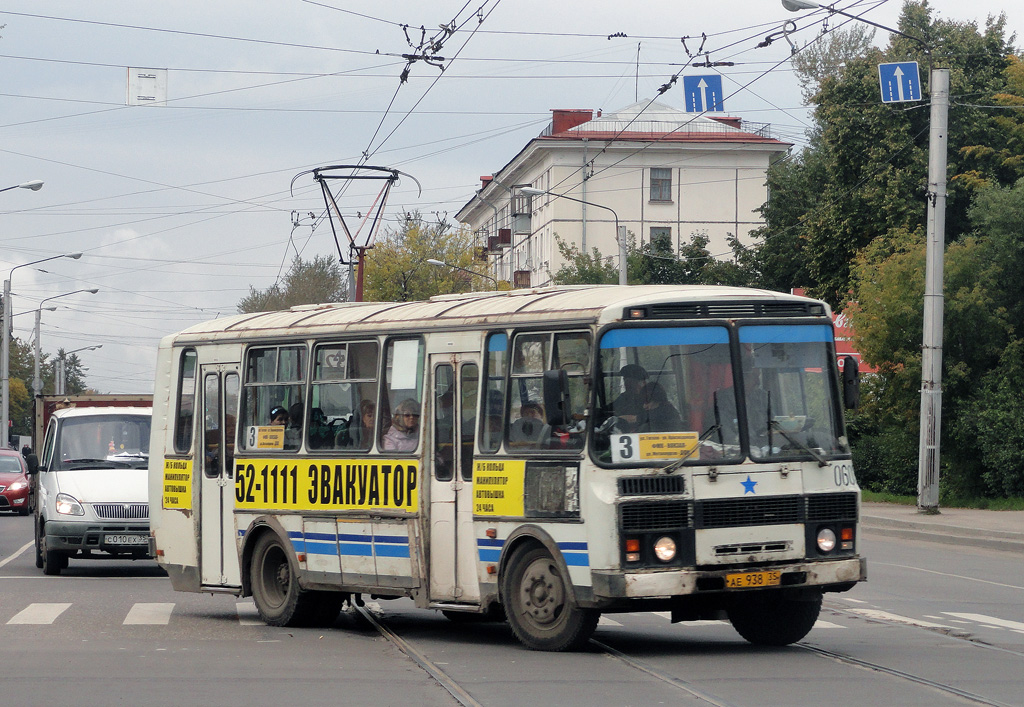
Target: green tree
x: 580, y: 268
x: 306, y: 282
x: 825, y: 57
x: 397, y: 269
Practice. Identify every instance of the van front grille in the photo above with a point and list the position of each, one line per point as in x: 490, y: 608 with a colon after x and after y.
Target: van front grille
x: 121, y: 511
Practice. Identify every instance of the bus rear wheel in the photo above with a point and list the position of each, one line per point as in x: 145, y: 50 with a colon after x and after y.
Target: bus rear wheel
x: 770, y: 619
x: 279, y: 599
x: 539, y: 603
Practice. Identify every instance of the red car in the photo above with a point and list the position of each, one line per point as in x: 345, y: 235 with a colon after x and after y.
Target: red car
x: 13, y: 482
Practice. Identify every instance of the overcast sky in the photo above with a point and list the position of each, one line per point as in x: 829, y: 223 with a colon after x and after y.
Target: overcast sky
x: 180, y: 208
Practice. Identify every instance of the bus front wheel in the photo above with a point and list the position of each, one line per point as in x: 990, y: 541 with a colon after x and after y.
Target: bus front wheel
x: 539, y: 603
x: 770, y: 619
x: 279, y: 599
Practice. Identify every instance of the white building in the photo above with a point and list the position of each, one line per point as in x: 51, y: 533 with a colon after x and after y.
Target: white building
x: 656, y: 168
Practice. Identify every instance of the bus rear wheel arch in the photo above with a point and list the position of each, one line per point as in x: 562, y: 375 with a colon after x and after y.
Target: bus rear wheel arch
x: 279, y: 599
x: 539, y: 603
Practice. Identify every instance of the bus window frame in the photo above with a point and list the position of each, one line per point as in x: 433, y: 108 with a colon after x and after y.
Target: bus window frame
x: 243, y: 410
x: 384, y: 390
x: 311, y: 381
x: 189, y: 428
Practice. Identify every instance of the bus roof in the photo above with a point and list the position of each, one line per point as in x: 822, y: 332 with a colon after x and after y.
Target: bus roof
x: 577, y: 303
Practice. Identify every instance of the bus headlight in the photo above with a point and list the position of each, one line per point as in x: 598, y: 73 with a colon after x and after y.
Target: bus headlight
x: 665, y: 549
x: 826, y: 540
x: 69, y: 505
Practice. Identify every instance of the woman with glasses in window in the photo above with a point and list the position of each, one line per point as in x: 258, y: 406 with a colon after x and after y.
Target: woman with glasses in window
x: 404, y: 432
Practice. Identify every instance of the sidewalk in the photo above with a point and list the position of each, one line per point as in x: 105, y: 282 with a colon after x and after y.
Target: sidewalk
x: 995, y: 530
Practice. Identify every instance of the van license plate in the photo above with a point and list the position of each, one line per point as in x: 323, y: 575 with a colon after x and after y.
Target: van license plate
x: 752, y: 580
x: 125, y: 539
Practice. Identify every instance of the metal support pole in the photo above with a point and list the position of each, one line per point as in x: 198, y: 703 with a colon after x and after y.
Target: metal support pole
x: 931, y: 349
x: 37, y: 381
x: 5, y: 368
x: 620, y: 236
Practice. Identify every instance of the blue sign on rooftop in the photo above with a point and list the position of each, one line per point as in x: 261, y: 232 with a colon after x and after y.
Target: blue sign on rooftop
x: 703, y: 93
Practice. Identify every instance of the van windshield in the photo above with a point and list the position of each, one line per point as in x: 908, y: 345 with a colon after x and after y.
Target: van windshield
x: 103, y: 441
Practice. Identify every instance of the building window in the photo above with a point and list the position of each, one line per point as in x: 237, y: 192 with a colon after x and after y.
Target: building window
x: 661, y: 184
x: 661, y: 233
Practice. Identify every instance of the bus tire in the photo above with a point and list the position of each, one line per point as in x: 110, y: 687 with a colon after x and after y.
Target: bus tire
x: 770, y: 619
x: 539, y: 603
x: 279, y: 599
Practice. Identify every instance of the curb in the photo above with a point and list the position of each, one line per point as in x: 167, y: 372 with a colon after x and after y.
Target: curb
x: 1006, y: 541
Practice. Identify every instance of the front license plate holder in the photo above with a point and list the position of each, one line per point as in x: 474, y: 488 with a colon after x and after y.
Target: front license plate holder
x: 753, y: 580
x: 126, y: 540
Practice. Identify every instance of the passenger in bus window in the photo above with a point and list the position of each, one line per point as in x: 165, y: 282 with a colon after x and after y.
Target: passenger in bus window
x: 629, y: 406
x: 659, y: 414
x: 278, y: 416
x: 359, y: 432
x: 405, y: 424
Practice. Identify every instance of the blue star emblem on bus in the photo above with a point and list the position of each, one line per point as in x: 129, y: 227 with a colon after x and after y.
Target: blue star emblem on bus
x: 748, y: 486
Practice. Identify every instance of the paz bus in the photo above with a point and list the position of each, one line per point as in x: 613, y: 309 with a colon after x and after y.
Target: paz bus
x: 542, y: 455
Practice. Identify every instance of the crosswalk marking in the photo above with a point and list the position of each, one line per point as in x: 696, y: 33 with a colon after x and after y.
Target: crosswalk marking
x: 895, y: 618
x: 820, y: 623
x: 990, y: 620
x: 151, y: 614
x: 39, y: 613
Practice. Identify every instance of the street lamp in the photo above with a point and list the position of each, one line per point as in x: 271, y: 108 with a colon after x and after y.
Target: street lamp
x: 620, y: 231
x: 60, y: 374
x: 34, y: 185
x: 931, y: 348
x: 443, y: 264
x: 5, y: 355
x: 37, y: 381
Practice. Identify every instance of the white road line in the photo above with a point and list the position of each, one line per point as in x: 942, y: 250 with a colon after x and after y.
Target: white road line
x: 605, y: 621
x: 39, y: 614
x: 820, y: 623
x: 895, y: 618
x: 150, y: 614
x: 982, y: 619
x: 17, y: 552
x: 247, y: 614
x: 947, y: 574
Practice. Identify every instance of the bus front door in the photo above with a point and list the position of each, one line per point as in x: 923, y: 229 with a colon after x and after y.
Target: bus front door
x: 453, y: 565
x: 218, y: 556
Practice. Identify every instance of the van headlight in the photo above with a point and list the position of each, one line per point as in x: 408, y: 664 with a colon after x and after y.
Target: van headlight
x: 69, y: 505
x: 826, y: 540
x: 665, y: 549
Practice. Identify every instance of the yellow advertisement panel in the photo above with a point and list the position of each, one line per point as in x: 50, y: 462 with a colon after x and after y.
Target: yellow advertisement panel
x: 666, y: 445
x: 178, y: 484
x: 498, y: 488
x: 327, y: 484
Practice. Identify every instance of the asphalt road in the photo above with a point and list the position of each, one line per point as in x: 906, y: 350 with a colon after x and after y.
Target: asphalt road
x: 934, y: 625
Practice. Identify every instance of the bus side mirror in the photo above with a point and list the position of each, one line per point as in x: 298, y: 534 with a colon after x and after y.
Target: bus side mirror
x: 557, y: 410
x: 32, y: 461
x: 851, y: 383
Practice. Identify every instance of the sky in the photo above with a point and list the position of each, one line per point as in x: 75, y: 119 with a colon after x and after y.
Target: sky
x: 180, y: 208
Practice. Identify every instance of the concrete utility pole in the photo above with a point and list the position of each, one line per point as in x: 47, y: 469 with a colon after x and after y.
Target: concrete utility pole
x: 931, y: 347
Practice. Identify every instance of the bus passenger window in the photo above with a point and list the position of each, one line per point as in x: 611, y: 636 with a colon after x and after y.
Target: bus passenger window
x: 343, y: 396
x: 494, y: 393
x: 403, y: 394
x: 274, y: 383
x: 186, y: 402
x: 444, y: 423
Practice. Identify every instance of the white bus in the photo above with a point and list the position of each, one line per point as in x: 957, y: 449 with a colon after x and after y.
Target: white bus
x: 554, y: 453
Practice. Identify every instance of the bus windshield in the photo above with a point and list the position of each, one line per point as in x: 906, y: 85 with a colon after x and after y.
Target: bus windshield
x: 671, y: 394
x: 791, y: 403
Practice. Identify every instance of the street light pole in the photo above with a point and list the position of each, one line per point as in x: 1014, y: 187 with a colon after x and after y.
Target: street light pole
x: 60, y: 373
x: 34, y: 185
x: 620, y: 231
x: 5, y: 355
x: 37, y: 381
x: 931, y: 349
x: 441, y: 263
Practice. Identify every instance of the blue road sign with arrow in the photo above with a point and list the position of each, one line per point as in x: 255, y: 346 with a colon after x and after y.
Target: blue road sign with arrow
x: 900, y: 82
x: 703, y: 93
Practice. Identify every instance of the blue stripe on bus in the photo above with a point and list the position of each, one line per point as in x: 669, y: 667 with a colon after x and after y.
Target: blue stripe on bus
x: 489, y: 554
x: 356, y: 549
x: 354, y: 537
x: 572, y: 546
x: 321, y: 549
x: 400, y: 539
x: 489, y: 542
x: 664, y: 336
x: 576, y: 559
x: 329, y: 537
x: 391, y: 550
x: 790, y: 334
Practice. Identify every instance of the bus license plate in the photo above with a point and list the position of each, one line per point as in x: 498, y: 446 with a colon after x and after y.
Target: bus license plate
x: 751, y: 580
x: 125, y: 539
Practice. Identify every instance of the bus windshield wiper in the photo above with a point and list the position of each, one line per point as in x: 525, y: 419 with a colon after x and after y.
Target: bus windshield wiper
x: 675, y: 464
x: 774, y: 424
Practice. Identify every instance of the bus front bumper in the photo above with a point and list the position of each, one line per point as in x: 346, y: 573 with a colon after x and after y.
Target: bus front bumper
x: 829, y: 575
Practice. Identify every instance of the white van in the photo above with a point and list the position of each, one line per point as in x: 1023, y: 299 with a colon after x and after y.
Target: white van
x: 93, y: 488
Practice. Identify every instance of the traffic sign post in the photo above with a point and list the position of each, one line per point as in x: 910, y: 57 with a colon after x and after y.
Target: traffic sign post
x: 703, y: 93
x: 900, y: 82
